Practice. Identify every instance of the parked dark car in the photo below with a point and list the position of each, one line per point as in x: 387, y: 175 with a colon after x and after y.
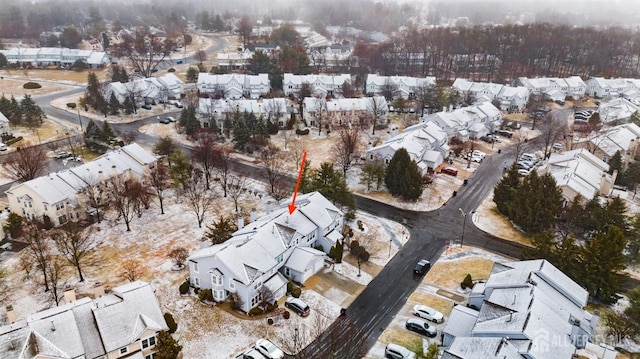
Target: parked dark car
x: 487, y: 139
x: 146, y: 107
x: 422, y: 267
x: 166, y: 121
x: 505, y: 133
x: 298, y: 306
x: 421, y: 327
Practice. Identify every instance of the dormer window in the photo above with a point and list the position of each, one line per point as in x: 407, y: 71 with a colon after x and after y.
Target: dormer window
x: 216, y: 279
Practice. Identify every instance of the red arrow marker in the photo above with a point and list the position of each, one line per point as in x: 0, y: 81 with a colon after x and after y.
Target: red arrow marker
x: 292, y: 206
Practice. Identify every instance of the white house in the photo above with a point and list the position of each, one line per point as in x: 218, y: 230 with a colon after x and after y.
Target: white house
x: 60, y: 195
x: 345, y: 111
x: 622, y: 138
x: 233, y: 86
x: 147, y: 90
x: 618, y: 110
x: 121, y: 324
x: 510, y: 98
x: 554, y: 88
x: 426, y: 143
x: 402, y: 86
x: 4, y: 125
x: 329, y: 57
x: 463, y: 122
x: 525, y: 309
x: 263, y: 252
x: 46, y: 56
x: 600, y: 87
x: 321, y: 85
x: 579, y: 172
x: 267, y: 108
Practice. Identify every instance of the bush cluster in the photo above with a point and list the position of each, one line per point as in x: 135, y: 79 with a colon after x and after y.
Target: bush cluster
x: 206, y: 295
x: 184, y: 288
x: 171, y: 323
x: 71, y: 105
x: 302, y: 132
x: 31, y: 85
x: 255, y: 311
x: 467, y: 282
x: 13, y: 140
x: 286, y: 314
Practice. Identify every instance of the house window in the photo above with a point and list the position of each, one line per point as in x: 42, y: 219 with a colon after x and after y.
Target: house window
x: 195, y: 267
x: 218, y: 295
x: 287, y: 271
x: 255, y: 300
x: 196, y: 281
x: 59, y: 205
x: 46, y: 208
x: 123, y: 350
x: 232, y: 284
x: 216, y: 279
x: 62, y: 219
x: 149, y: 342
x: 150, y: 356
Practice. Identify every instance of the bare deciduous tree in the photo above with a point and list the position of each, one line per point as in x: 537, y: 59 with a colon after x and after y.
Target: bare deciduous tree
x: 132, y: 269
x: 124, y: 197
x: 179, y: 256
x: 55, y: 269
x: 75, y: 245
x: 27, y: 163
x: 159, y: 180
x: 204, y: 154
x: 38, y: 251
x: 236, y: 187
x: 344, y: 151
x: 273, y: 167
x: 200, y: 199
x: 95, y: 196
x: 223, y: 166
x: 144, y: 50
x: 376, y: 108
x: 551, y: 130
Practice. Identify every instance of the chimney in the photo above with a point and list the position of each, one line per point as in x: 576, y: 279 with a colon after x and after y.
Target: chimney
x: 69, y: 294
x: 269, y: 206
x: 394, y: 131
x: 11, y: 315
x: 98, y: 289
x: 510, y: 317
x: 254, y: 215
x: 114, y: 171
x: 101, y: 176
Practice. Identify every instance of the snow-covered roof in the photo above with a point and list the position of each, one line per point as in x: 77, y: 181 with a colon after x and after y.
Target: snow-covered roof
x: 486, y: 348
x: 617, y: 138
x: 326, y: 80
x: 85, y: 328
x: 579, y: 170
x: 461, y: 321
x: 123, y: 316
x: 618, y: 109
x: 400, y: 81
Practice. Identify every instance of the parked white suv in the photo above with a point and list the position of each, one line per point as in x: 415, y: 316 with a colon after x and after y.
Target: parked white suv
x: 427, y: 313
x: 395, y: 351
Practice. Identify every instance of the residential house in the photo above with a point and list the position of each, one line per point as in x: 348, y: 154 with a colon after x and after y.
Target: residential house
x: 61, y: 196
x: 233, y: 60
x: 47, y: 56
x: 321, y: 85
x: 147, y: 90
x: 259, y: 255
x: 467, y: 122
x: 344, y: 111
x: 334, y: 56
x: 510, y: 98
x: 401, y: 86
x: 426, y: 143
x: 554, y: 88
x: 4, y: 125
x: 622, y: 138
x: 526, y: 309
x: 579, y: 172
x: 233, y: 86
x: 618, y: 110
x: 218, y: 110
x: 121, y: 324
x: 600, y: 87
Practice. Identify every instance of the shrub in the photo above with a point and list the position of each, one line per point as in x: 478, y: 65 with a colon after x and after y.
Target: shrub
x: 286, y: 314
x: 171, y: 323
x: 255, y: 311
x: 295, y: 292
x: 232, y: 302
x: 71, y: 105
x: 31, y: 85
x: 302, y: 132
x: 270, y: 321
x: 467, y: 282
x: 171, y: 70
x: 13, y: 140
x: 184, y: 288
x: 271, y: 307
x: 206, y: 295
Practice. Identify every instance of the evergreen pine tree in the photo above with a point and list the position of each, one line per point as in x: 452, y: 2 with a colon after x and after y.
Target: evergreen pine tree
x: 241, y: 134
x: 615, y: 163
x: 92, y: 130
x: 603, y: 260
x: 505, y: 190
x: 395, y: 169
x: 114, y: 105
x: 15, y: 112
x: 106, y: 133
x: 93, y: 92
x: 166, y: 346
